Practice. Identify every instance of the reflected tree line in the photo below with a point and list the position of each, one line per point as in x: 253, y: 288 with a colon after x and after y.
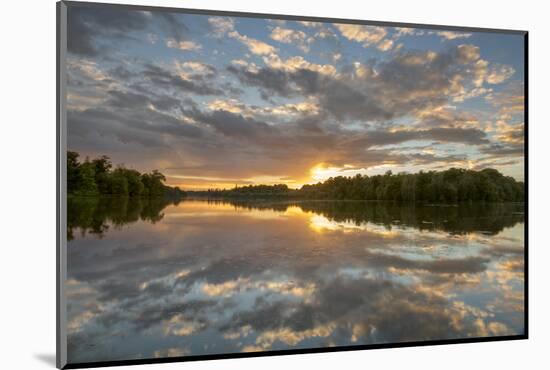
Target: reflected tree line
x: 454, y: 185
x: 95, y: 215
x: 487, y: 218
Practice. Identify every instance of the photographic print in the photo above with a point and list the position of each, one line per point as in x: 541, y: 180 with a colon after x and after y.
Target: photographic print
x: 238, y: 184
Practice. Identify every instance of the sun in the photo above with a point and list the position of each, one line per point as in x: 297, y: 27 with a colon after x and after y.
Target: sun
x: 318, y: 172
x: 322, y: 171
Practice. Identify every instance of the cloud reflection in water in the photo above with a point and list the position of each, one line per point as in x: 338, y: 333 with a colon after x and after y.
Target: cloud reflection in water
x: 212, y: 277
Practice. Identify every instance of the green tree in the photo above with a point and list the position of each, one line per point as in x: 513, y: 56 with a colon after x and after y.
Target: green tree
x: 102, y: 167
x: 135, y: 186
x: 119, y: 182
x: 86, y: 179
x: 73, y: 171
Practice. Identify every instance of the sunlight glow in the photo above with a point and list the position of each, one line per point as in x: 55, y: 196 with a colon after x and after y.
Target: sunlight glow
x: 322, y: 172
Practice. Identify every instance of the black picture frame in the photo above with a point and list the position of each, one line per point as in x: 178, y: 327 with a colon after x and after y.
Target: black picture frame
x: 61, y: 191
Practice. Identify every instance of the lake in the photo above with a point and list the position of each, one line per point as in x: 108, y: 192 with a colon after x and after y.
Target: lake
x: 148, y: 278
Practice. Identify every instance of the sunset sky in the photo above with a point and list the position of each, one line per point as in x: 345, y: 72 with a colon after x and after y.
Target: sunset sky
x: 216, y: 102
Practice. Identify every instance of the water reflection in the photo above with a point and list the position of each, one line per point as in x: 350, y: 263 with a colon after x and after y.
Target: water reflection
x: 93, y: 215
x: 217, y: 277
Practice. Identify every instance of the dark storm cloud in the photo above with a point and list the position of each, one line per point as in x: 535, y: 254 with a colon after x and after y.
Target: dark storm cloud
x: 197, y: 84
x: 165, y: 102
x: 412, y: 72
x: 88, y: 28
x: 267, y: 79
x: 87, y: 24
x: 469, y: 136
x: 130, y: 100
x: 232, y: 124
x: 500, y: 150
x: 231, y: 90
x: 311, y: 124
x: 346, y: 102
x: 144, y: 126
x: 173, y: 27
x: 121, y: 73
x: 453, y: 135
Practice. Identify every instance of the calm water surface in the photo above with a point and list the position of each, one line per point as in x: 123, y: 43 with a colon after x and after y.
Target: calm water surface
x: 146, y: 279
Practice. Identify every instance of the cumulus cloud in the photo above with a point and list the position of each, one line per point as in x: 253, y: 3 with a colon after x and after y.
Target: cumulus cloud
x: 499, y: 74
x: 451, y: 35
x: 289, y: 36
x: 255, y: 46
x: 221, y: 25
x: 406, y: 31
x: 310, y: 24
x: 183, y: 45
x: 289, y: 109
x: 509, y: 101
x: 294, y: 64
x: 467, y: 53
x: 193, y: 69
x: 385, y: 45
x: 363, y: 34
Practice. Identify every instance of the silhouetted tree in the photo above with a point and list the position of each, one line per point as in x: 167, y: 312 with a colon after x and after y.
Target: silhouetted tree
x: 97, y: 177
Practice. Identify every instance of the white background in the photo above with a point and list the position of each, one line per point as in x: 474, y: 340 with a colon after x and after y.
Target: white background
x: 27, y: 182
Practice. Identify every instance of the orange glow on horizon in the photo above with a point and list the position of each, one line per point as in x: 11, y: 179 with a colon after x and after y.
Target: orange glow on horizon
x: 318, y: 173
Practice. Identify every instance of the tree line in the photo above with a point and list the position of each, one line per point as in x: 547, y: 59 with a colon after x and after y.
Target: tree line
x: 450, y: 186
x: 98, y: 177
